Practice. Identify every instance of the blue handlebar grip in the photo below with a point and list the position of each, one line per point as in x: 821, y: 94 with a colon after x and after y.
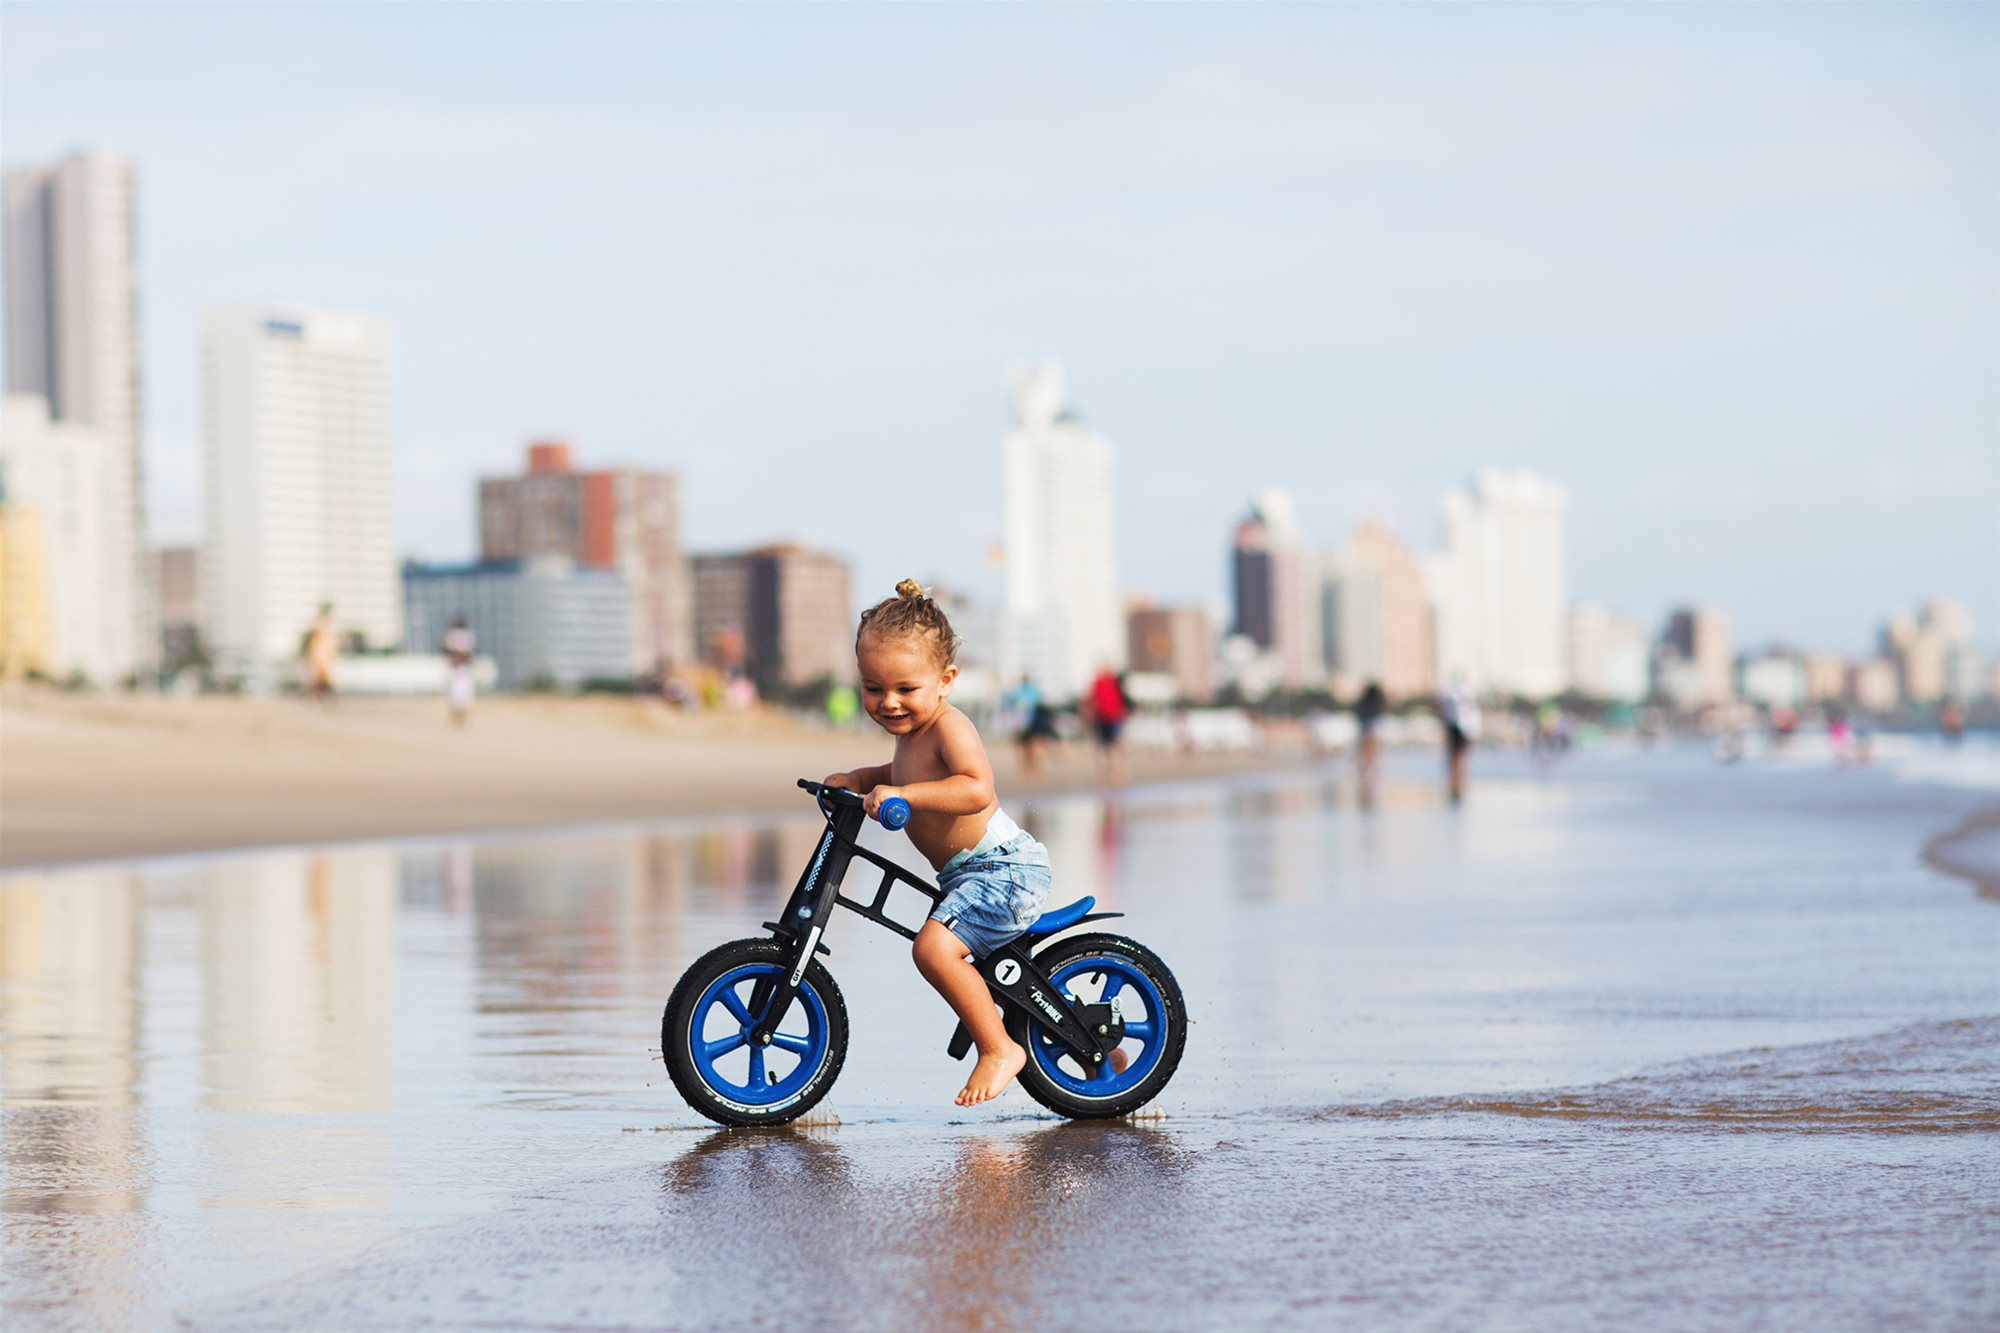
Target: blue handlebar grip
x: 894, y: 812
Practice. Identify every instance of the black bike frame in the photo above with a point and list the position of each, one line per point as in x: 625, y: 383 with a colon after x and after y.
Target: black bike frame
x: 1088, y: 1031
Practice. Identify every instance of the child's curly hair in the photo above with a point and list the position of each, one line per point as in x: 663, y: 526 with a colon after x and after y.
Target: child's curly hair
x: 911, y: 614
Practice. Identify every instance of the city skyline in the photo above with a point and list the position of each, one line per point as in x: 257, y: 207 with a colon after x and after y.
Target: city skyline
x: 1763, y: 389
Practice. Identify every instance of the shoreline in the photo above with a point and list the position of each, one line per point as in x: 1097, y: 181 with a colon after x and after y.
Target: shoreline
x: 1948, y: 852
x: 105, y: 779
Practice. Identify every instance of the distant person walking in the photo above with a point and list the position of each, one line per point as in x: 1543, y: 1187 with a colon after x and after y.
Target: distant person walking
x: 322, y: 651
x: 1034, y: 726
x: 1109, y: 707
x: 1460, y: 716
x: 460, y: 645
x: 1368, y: 711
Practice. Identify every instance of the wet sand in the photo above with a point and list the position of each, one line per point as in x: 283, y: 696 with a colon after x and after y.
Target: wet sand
x: 1644, y: 1043
x: 110, y: 777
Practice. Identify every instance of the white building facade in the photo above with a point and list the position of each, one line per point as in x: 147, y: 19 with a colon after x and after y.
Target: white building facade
x: 73, y: 342
x: 1610, y: 658
x: 297, y: 494
x: 1061, y: 620
x: 1500, y: 588
x: 73, y: 477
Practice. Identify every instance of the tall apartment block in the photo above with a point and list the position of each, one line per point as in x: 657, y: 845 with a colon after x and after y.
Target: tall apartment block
x: 619, y: 518
x: 297, y: 483
x: 1275, y: 587
x: 1499, y: 589
x: 1696, y: 667
x: 1377, y: 619
x: 73, y: 343
x: 544, y: 620
x: 1061, y: 619
x: 782, y: 613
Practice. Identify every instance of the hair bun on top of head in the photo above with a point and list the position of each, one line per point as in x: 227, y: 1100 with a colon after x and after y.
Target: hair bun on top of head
x: 910, y: 590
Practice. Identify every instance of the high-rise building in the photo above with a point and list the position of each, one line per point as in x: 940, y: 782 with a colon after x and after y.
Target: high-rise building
x: 1275, y: 582
x: 1499, y: 586
x: 1377, y: 619
x: 625, y: 519
x: 1061, y: 620
x: 1825, y: 678
x: 781, y: 613
x: 73, y: 341
x: 1776, y: 679
x: 297, y: 484
x: 1923, y: 647
x: 1872, y: 685
x: 544, y: 620
x: 1609, y: 657
x: 67, y: 474
x: 1177, y: 642
x: 1696, y: 658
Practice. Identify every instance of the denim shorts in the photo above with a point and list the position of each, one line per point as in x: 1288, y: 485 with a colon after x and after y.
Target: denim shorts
x: 994, y: 897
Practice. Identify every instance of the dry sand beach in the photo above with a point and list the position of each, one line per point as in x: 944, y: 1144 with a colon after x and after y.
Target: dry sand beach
x: 96, y: 777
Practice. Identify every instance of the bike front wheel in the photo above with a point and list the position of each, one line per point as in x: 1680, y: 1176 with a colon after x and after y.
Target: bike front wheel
x: 705, y: 1036
x: 1106, y: 969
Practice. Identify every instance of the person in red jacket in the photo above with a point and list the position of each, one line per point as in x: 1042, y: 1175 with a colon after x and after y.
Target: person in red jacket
x: 1108, y: 707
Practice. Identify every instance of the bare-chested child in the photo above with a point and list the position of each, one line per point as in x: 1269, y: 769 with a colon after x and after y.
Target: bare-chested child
x: 996, y: 878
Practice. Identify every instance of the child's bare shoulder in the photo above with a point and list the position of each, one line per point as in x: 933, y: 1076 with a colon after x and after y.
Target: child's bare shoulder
x: 954, y: 732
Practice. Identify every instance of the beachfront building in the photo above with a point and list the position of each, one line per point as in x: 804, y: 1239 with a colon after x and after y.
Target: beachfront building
x: 24, y: 589
x: 546, y: 621
x: 1608, y: 657
x: 1825, y: 677
x: 1775, y: 679
x: 1696, y: 666
x: 73, y: 342
x: 1499, y: 586
x: 297, y: 476
x: 1176, y: 643
x: 1377, y: 621
x: 66, y: 480
x: 1926, y: 646
x: 1061, y: 620
x: 627, y: 519
x: 1276, y: 592
x: 782, y: 614
x: 176, y: 581
x: 1873, y: 686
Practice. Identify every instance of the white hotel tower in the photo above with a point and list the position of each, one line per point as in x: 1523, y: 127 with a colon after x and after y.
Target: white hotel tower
x: 296, y: 405
x: 1062, y: 619
x: 1499, y: 587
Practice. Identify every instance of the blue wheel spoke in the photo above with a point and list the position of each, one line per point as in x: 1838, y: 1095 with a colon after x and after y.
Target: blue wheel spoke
x: 1142, y: 1030
x: 757, y: 1080
x: 735, y: 1006
x: 722, y: 1046
x: 1112, y: 987
x: 786, y: 1041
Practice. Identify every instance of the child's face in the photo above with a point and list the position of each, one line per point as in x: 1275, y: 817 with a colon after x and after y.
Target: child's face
x: 902, y: 685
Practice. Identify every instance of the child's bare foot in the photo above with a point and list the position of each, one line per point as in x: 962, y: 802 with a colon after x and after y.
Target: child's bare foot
x: 992, y: 1074
x: 1119, y: 1060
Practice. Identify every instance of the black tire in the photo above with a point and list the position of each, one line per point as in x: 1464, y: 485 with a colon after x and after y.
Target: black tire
x: 1173, y: 1040
x: 677, y: 1035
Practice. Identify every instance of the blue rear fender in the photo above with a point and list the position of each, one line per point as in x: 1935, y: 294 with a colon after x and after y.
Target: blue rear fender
x: 1062, y: 918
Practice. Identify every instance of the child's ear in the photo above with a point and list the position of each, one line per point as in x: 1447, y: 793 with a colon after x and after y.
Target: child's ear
x: 945, y: 680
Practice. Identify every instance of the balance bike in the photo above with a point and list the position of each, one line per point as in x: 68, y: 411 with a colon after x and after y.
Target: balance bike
x: 756, y: 1030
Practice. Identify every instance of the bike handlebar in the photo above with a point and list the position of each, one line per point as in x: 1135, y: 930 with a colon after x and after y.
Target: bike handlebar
x: 894, y: 812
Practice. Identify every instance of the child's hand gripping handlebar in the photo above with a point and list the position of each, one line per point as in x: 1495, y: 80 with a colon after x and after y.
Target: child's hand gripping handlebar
x: 894, y: 812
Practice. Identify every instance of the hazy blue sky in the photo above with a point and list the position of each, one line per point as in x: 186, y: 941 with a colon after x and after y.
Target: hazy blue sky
x: 1731, y: 274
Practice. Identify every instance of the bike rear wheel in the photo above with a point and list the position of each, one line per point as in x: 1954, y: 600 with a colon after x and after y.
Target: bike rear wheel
x: 705, y: 1036
x: 1106, y: 969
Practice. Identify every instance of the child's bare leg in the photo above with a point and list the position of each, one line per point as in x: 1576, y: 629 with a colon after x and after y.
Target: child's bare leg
x: 941, y: 957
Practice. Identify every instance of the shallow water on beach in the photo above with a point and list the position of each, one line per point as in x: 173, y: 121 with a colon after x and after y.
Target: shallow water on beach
x: 1642, y: 1041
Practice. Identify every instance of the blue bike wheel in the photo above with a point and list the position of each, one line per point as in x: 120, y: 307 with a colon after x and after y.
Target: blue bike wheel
x: 1108, y: 969
x: 705, y: 1036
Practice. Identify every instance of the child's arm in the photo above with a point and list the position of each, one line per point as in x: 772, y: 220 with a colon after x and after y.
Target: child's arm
x: 967, y: 791
x: 863, y: 780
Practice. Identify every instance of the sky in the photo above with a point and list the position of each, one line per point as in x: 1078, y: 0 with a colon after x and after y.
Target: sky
x: 1729, y: 273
